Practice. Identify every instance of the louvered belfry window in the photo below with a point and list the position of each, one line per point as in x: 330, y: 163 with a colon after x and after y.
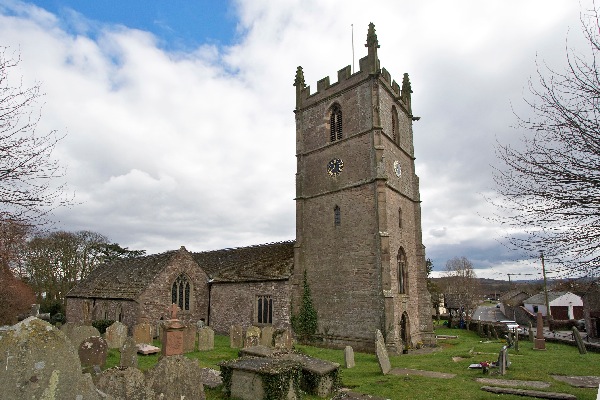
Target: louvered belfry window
x: 335, y: 123
x: 180, y: 292
x: 337, y: 217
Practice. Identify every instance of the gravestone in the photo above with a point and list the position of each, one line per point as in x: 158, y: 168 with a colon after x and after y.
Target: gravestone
x: 92, y: 352
x: 349, y: 357
x: 579, y: 341
x: 145, y: 348
x: 503, y: 361
x: 531, y: 333
x: 39, y: 362
x: 176, y: 377
x: 539, y: 342
x: 115, y: 335
x: 142, y: 333
x: 382, y: 354
x: 206, y: 339
x: 282, y: 339
x: 236, y: 339
x: 189, y: 339
x: 252, y: 336
x: 129, y: 353
x: 266, y: 336
x: 124, y: 383
x: 78, y: 334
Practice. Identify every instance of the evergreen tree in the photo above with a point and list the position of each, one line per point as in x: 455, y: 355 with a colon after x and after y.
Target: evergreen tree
x: 305, y: 323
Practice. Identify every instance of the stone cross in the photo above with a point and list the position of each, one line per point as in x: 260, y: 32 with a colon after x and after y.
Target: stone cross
x: 173, y: 310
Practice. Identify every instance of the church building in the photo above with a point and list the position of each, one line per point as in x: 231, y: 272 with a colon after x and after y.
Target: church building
x: 358, y: 233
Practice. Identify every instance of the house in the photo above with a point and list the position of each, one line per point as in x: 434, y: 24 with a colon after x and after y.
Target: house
x: 563, y: 305
x: 511, y: 304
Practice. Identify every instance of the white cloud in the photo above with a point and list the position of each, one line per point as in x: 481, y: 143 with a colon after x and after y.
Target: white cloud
x: 197, y: 149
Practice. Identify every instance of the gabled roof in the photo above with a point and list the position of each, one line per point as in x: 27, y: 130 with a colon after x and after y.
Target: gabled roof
x: 122, y: 279
x: 128, y: 278
x: 540, y: 298
x: 514, y: 297
x: 272, y: 261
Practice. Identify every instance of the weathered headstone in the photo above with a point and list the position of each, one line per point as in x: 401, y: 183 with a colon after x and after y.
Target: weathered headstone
x: 266, y: 336
x: 206, y: 339
x: 129, y: 353
x: 78, y: 334
x: 382, y: 354
x: 540, y: 342
x: 579, y: 341
x: 349, y: 357
x: 92, y: 352
x: 115, y: 335
x: 189, y: 338
x: 503, y: 361
x: 142, y: 333
x: 236, y: 339
x: 282, y: 339
x: 252, y: 336
x: 39, y: 362
x: 176, y: 377
x: 124, y: 383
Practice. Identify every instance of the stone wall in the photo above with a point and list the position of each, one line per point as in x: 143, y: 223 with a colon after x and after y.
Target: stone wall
x: 235, y: 304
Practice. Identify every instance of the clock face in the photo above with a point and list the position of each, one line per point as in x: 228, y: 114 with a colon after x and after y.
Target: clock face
x: 397, y: 168
x: 335, y: 166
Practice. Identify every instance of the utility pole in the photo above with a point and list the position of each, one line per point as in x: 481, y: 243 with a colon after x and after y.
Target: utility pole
x: 548, y: 313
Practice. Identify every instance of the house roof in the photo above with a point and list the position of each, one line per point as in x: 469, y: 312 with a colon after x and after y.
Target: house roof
x: 128, y: 278
x: 514, y: 297
x: 122, y: 279
x: 540, y: 298
x: 272, y: 261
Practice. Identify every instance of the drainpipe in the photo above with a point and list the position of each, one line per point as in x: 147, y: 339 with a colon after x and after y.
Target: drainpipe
x: 209, y: 283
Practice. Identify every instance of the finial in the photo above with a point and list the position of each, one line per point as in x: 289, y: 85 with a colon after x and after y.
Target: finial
x: 406, y: 91
x: 372, y: 37
x: 372, y: 45
x: 299, y: 81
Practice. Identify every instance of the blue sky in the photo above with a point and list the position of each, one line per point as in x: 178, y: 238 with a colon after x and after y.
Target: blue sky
x: 180, y: 24
x: 179, y: 121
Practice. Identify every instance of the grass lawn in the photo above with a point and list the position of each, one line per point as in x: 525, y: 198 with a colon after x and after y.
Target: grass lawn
x: 527, y: 364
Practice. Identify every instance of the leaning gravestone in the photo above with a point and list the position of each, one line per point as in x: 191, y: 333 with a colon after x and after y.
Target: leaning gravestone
x: 349, y: 357
x: 176, y: 377
x: 206, y: 339
x: 579, y: 341
x: 266, y: 336
x: 92, y: 352
x: 252, y: 336
x: 236, y: 339
x: 129, y: 353
x: 124, y: 383
x: 142, y: 333
x: 382, y: 354
x: 39, y: 362
x: 115, y: 335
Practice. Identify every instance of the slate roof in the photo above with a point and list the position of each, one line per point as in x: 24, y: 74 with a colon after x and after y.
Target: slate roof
x: 122, y: 279
x: 541, y: 299
x: 273, y: 261
x: 128, y: 278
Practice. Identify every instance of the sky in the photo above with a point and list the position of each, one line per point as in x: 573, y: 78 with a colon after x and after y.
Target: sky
x: 178, y: 116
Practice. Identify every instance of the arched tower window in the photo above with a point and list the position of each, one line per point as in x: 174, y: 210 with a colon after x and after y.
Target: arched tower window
x: 337, y: 218
x: 180, y: 292
x: 395, y: 134
x: 335, y: 123
x: 402, y: 272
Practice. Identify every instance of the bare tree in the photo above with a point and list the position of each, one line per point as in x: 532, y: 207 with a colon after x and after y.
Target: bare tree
x: 461, y: 286
x: 549, y: 186
x: 28, y: 173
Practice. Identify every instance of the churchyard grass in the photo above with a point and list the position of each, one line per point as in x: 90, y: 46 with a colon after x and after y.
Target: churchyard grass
x: 452, y: 356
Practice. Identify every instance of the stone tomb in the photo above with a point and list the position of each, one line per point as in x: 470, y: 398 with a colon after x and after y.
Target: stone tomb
x: 248, y: 378
x: 172, y: 338
x: 92, y: 352
x: 115, y: 335
x: 206, y: 339
x: 319, y: 377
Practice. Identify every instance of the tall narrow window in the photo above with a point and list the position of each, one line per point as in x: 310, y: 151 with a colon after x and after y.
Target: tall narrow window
x: 335, y: 123
x: 264, y: 309
x: 337, y: 218
x: 119, y: 313
x: 402, y: 273
x: 400, y: 218
x: 180, y: 292
x: 395, y: 134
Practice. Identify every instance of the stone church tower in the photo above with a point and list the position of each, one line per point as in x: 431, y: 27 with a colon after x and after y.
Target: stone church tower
x: 358, y: 214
